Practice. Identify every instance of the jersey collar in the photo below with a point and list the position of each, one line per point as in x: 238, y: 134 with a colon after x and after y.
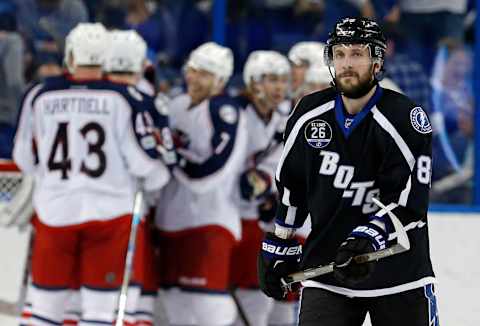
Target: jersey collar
x: 340, y: 112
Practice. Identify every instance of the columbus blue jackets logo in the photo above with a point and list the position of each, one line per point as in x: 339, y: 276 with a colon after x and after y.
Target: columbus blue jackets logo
x: 420, y: 121
x: 228, y: 114
x: 318, y: 133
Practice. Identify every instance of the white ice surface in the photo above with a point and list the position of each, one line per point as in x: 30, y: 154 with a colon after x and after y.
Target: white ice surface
x: 455, y: 250
x: 455, y: 253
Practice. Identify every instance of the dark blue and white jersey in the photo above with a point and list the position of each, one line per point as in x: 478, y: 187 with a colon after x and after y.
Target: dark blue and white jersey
x: 86, y: 142
x: 333, y: 164
x: 264, y: 146
x: 211, y: 150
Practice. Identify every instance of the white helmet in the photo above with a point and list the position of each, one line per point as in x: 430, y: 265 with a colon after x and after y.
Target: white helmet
x: 318, y: 74
x: 87, y: 42
x: 213, y: 58
x: 311, y: 52
x: 126, y: 53
x: 261, y: 63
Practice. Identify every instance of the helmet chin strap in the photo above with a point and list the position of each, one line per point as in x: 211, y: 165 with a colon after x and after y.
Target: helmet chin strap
x: 332, y: 82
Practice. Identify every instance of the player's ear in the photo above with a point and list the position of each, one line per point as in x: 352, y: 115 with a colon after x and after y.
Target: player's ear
x: 377, y: 66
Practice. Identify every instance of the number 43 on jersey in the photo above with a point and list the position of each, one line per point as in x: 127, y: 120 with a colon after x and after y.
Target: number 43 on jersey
x: 59, y: 158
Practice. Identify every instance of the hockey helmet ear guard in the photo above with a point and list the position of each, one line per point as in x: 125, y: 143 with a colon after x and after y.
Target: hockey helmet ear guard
x: 357, y: 31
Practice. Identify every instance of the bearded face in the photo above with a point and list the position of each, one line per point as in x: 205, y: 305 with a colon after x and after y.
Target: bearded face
x: 354, y: 69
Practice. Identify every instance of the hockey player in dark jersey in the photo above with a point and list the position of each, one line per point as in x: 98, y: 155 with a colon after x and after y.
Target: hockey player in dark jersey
x: 344, y: 146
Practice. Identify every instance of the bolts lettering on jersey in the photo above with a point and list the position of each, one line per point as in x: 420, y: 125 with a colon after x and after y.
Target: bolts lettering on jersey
x: 343, y: 177
x: 329, y: 162
x: 361, y: 189
x: 344, y: 174
x: 370, y: 206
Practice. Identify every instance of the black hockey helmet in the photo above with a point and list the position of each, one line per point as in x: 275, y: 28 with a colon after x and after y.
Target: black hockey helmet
x: 356, y: 31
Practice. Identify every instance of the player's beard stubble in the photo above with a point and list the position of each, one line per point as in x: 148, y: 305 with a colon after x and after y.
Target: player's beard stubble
x: 361, y: 88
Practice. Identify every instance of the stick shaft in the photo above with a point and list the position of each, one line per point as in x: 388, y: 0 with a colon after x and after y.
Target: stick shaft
x: 402, y: 246
x: 136, y: 218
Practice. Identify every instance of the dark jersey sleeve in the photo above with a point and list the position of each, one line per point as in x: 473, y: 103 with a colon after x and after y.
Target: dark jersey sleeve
x: 151, y: 127
x: 405, y: 173
x: 290, y: 176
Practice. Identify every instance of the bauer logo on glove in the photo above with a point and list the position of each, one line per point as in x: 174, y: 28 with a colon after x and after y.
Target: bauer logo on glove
x: 282, y: 251
x: 277, y: 259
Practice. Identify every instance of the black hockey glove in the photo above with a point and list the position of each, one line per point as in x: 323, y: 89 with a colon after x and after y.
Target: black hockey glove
x: 254, y: 184
x: 278, y: 258
x: 268, y: 208
x: 363, y: 239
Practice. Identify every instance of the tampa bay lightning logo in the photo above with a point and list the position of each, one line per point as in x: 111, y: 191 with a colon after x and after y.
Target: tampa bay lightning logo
x: 318, y: 133
x: 420, y: 121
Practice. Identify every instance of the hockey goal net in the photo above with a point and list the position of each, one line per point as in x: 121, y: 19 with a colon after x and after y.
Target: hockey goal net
x: 15, y: 195
x: 15, y: 210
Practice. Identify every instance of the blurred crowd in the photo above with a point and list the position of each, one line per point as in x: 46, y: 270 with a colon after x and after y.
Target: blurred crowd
x: 429, y: 54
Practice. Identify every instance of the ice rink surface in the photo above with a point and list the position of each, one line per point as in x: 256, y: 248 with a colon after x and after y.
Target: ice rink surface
x: 455, y: 248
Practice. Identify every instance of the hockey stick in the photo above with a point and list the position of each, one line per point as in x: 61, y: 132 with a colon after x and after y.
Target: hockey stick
x: 241, y: 312
x: 402, y: 245
x: 136, y: 218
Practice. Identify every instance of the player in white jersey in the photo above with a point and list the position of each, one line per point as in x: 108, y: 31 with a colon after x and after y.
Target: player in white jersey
x: 197, y: 217
x: 303, y: 55
x: 80, y: 138
x: 126, y: 58
x: 266, y: 75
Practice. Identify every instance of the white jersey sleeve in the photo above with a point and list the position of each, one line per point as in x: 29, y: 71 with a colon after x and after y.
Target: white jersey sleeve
x: 24, y: 150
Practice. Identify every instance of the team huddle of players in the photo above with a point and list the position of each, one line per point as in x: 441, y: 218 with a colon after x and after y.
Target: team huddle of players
x: 207, y: 160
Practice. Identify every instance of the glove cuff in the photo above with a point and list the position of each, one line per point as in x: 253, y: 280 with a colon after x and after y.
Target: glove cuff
x: 375, y: 234
x: 385, y: 220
